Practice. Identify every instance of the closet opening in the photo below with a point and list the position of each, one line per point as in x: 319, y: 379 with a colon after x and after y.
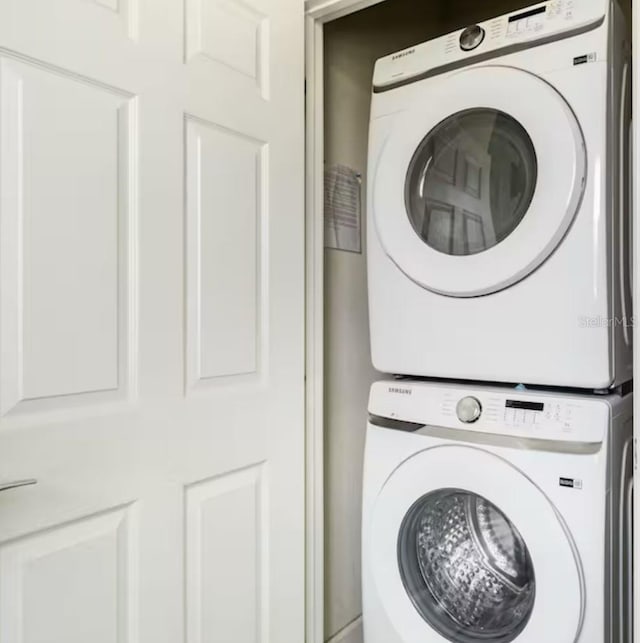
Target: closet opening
x: 344, y: 40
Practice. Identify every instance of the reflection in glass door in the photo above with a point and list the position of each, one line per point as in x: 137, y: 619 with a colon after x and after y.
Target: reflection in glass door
x: 471, y: 182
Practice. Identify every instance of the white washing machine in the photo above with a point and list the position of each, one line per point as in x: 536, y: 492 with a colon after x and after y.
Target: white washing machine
x: 498, y: 202
x: 497, y: 515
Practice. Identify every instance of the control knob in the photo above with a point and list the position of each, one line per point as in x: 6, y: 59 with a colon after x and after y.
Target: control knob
x: 471, y: 37
x: 469, y: 410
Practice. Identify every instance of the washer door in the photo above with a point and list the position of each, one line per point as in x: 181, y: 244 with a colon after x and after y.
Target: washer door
x: 465, y: 548
x: 478, y: 183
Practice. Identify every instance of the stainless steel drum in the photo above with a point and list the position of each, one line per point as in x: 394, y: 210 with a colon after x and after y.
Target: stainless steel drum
x: 466, y: 567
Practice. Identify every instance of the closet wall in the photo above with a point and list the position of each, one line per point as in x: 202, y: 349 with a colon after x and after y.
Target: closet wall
x: 352, y: 45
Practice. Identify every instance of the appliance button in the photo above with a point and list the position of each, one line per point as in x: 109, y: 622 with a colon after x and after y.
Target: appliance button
x: 469, y: 410
x: 471, y: 37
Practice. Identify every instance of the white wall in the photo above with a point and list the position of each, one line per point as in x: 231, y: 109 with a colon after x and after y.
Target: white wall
x: 352, y: 45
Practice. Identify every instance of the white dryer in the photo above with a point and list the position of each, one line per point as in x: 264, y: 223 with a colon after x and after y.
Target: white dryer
x: 497, y: 201
x: 496, y: 515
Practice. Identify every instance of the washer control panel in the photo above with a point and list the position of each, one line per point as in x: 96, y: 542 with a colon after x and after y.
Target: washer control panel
x: 519, y: 413
x: 496, y: 410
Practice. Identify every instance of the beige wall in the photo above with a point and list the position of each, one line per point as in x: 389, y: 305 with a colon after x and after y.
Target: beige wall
x: 626, y: 7
x: 348, y: 370
x: 352, y: 45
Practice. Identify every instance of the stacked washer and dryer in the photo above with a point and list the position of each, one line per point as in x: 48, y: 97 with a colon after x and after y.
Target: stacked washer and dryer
x: 498, y: 464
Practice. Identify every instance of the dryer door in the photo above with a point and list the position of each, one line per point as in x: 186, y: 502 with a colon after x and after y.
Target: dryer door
x: 465, y: 548
x: 478, y: 183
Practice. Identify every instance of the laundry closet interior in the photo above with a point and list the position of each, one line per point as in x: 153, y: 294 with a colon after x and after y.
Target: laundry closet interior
x: 351, y: 45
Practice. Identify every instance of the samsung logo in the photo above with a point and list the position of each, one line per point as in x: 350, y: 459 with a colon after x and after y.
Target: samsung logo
x: 400, y: 391
x: 403, y: 54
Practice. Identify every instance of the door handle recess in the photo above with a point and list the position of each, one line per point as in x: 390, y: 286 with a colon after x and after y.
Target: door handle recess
x: 17, y: 484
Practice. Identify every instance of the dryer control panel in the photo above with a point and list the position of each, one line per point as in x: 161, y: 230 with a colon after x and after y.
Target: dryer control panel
x: 542, y: 22
x: 495, y: 410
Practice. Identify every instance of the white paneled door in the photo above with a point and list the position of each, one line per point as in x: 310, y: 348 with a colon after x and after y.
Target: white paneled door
x: 151, y: 321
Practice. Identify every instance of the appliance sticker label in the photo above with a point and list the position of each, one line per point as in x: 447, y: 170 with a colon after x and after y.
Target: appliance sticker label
x: 586, y: 58
x: 571, y: 483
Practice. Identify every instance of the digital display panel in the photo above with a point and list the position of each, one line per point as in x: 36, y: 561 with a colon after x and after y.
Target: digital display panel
x: 527, y: 406
x: 528, y: 14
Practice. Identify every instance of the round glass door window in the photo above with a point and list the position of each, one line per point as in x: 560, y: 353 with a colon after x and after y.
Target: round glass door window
x: 471, y: 182
x: 466, y: 568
